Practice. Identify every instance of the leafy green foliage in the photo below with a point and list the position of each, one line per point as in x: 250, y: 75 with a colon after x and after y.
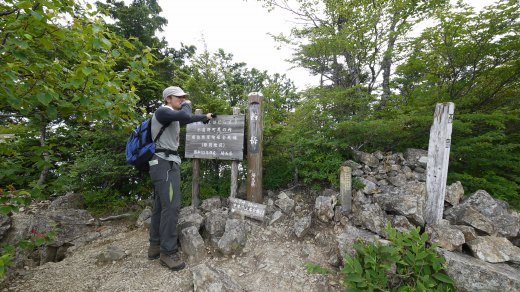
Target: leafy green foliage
x: 11, y: 200
x: 357, y: 184
x: 472, y: 60
x: 61, y: 72
x: 420, y: 260
x: 6, y: 260
x: 405, y: 265
x: 368, y: 270
x: 38, y: 239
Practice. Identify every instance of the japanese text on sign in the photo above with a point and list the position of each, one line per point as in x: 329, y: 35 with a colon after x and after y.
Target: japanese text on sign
x: 221, y: 138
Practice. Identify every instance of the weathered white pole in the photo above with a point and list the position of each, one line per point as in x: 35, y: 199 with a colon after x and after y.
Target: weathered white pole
x: 254, y: 148
x: 345, y: 189
x: 195, y: 176
x: 234, y: 167
x: 438, y: 160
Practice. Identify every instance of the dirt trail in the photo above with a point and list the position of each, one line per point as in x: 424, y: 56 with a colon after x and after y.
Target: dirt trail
x: 272, y: 260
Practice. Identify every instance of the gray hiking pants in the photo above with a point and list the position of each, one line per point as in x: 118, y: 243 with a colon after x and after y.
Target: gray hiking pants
x: 166, y: 178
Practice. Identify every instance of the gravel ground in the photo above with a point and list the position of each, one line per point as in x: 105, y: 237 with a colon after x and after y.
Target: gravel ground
x: 273, y: 260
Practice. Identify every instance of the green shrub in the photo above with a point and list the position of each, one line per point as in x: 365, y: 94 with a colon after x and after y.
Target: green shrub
x: 405, y: 265
x: 357, y: 184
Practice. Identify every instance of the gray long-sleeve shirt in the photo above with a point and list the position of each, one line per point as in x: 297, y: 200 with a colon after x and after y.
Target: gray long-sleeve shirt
x: 170, y: 137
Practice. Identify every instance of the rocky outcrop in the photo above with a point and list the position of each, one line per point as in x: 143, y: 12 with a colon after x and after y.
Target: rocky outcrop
x: 478, y: 237
x: 479, y: 231
x: 73, y: 227
x: 471, y: 274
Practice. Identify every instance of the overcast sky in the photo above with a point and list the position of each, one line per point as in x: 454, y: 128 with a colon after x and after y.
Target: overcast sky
x: 241, y: 28
x: 237, y: 26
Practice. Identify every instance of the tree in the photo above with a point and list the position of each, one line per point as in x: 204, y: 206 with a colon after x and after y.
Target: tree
x: 472, y: 60
x: 353, y: 42
x: 59, y: 72
x: 140, y: 20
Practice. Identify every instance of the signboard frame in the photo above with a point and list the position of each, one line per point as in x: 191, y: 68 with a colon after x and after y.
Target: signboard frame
x: 222, y: 138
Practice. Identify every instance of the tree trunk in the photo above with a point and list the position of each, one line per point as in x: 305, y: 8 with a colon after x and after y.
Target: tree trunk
x: 386, y: 65
x: 45, y: 171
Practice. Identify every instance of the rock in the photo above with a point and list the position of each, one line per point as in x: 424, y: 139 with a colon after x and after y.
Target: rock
x: 68, y: 201
x: 366, y: 158
x: 211, y: 204
x: 352, y: 164
x: 413, y: 157
x: 234, y: 238
x: 145, y: 215
x: 407, y: 201
x: 192, y: 244
x: 286, y: 204
x: 47, y: 254
x: 207, y: 278
x: 494, y: 249
x: 401, y: 223
x: 446, y: 237
x: 351, y: 235
x: 113, y: 253
x: 485, y: 204
x: 454, y: 193
x: 189, y: 216
x: 215, y: 223
x: 324, y: 208
x: 471, y: 274
x: 277, y: 216
x: 283, y: 195
x: 357, y: 173
x: 371, y: 217
x: 468, y: 231
x: 467, y: 215
x: 302, y: 226
x: 330, y: 193
x: 497, y: 211
x: 369, y: 188
x: 398, y: 180
x: 5, y: 224
x: 378, y: 154
x: 423, y: 161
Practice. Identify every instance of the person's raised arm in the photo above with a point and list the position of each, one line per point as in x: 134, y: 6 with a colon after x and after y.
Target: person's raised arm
x: 184, y: 116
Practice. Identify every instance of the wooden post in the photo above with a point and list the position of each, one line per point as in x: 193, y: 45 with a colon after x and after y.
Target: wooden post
x: 254, y: 147
x: 438, y: 160
x: 234, y: 167
x: 345, y: 189
x: 195, y: 176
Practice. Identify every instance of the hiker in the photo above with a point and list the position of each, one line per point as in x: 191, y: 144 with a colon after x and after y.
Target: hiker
x: 165, y: 175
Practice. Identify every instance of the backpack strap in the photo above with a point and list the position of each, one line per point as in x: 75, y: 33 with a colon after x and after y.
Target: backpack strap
x: 161, y: 131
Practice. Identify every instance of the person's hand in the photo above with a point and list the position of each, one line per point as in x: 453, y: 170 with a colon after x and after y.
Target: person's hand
x: 209, y: 116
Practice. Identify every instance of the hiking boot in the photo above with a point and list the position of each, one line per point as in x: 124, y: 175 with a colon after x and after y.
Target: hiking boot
x: 154, y: 251
x: 172, y: 261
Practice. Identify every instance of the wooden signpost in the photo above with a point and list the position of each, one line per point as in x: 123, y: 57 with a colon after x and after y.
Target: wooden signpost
x: 195, y: 177
x: 345, y: 189
x: 254, y: 148
x: 438, y: 159
x: 223, y: 138
x: 234, y: 166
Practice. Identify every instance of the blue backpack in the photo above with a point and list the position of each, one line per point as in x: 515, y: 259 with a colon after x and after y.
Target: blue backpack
x: 140, y: 147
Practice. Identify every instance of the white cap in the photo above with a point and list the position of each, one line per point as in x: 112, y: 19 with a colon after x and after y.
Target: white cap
x: 173, y: 90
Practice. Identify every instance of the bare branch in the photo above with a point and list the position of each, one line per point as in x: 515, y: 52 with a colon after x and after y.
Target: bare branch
x: 7, y: 12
